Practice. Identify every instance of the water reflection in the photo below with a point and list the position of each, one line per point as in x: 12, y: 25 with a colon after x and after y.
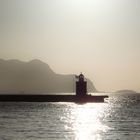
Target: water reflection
x: 88, y: 121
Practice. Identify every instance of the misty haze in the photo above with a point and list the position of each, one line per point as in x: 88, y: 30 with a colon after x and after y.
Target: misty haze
x: 69, y: 69
x: 99, y: 38
x: 35, y: 77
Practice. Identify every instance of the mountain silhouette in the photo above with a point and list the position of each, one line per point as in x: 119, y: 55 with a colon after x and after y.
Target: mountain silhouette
x: 35, y: 77
x: 126, y: 91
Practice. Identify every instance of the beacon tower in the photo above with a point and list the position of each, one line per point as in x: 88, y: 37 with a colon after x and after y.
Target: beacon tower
x: 81, y: 86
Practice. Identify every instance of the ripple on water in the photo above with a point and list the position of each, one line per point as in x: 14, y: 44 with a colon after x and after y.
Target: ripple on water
x: 119, y: 118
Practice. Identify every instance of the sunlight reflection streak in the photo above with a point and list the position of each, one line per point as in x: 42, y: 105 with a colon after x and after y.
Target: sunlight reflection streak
x: 86, y: 121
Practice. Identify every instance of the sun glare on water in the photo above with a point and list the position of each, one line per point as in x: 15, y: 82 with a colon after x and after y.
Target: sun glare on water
x: 87, y: 121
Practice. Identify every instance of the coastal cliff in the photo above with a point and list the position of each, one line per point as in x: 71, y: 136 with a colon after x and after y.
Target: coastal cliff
x: 35, y: 77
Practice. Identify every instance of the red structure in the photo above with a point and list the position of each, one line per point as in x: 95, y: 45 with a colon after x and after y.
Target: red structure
x: 81, y: 86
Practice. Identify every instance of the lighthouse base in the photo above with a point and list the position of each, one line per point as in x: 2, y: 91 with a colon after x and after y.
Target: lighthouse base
x: 52, y: 98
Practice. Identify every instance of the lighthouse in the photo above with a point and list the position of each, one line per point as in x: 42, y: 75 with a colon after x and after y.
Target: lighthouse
x: 81, y: 86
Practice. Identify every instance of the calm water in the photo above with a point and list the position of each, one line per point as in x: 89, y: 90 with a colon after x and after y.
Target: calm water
x: 118, y: 119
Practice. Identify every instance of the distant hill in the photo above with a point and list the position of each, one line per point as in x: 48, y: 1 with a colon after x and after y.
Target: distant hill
x: 35, y: 77
x: 126, y: 91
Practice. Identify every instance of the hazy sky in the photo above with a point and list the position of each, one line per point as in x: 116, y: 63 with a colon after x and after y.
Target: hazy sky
x: 101, y: 38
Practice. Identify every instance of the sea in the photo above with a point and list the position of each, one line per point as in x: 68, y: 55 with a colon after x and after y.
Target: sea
x: 118, y: 118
